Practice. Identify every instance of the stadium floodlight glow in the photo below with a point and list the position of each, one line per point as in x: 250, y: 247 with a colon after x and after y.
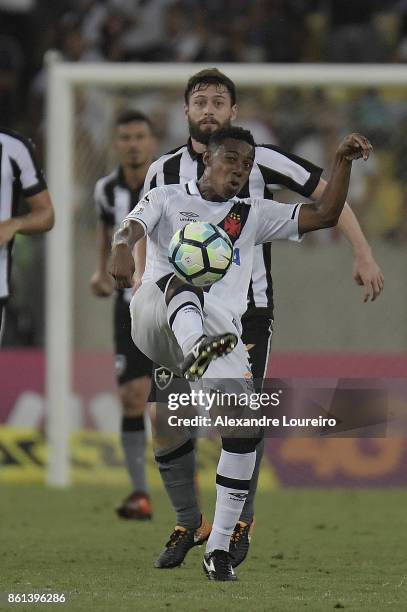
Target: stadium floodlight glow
x: 62, y: 79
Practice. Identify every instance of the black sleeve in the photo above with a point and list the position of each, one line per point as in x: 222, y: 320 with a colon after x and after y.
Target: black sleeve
x: 287, y: 170
x: 104, y: 212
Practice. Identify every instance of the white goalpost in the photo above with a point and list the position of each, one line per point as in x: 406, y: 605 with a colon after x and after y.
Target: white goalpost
x: 62, y: 80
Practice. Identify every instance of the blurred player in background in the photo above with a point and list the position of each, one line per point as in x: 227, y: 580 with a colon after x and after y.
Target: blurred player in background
x: 115, y: 196
x: 210, y: 104
x: 19, y: 175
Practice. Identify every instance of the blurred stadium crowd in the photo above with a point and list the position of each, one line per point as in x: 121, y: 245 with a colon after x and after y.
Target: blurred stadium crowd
x: 206, y: 31
x: 307, y: 123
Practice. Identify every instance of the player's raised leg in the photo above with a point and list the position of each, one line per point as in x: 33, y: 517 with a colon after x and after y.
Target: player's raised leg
x: 185, y: 318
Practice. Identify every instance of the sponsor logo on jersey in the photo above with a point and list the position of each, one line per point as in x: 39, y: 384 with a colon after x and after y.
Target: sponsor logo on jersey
x: 139, y: 209
x: 188, y: 216
x: 236, y: 256
x: 141, y: 205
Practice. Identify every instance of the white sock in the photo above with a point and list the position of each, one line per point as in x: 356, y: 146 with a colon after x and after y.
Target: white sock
x: 185, y: 317
x: 232, y: 485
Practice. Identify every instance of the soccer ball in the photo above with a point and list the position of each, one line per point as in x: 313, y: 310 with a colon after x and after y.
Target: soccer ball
x: 201, y: 253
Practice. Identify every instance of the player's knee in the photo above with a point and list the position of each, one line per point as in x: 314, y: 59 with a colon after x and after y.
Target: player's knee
x: 134, y: 396
x: 176, y: 286
x: 240, y: 445
x: 173, y: 286
x: 164, y: 437
x: 169, y: 454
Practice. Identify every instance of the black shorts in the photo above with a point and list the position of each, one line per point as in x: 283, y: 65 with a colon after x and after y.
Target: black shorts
x: 165, y: 382
x: 2, y: 316
x: 130, y: 362
x: 257, y: 332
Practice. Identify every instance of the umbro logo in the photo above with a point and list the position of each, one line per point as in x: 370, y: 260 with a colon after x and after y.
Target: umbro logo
x: 237, y: 496
x: 188, y: 216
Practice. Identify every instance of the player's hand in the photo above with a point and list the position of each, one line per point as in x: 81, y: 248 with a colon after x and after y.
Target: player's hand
x: 367, y: 273
x: 354, y: 147
x: 101, y: 284
x: 122, y: 266
x: 8, y: 230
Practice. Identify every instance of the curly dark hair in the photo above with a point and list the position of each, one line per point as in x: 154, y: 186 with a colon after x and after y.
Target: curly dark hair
x: 210, y: 76
x: 235, y: 132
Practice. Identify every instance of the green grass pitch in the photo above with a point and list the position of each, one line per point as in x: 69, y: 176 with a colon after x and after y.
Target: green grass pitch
x: 311, y: 550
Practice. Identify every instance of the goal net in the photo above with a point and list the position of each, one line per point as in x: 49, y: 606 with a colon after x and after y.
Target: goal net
x: 305, y: 109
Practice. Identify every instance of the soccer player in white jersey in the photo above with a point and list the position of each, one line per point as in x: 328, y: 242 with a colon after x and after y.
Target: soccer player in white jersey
x: 20, y: 175
x: 115, y: 196
x: 211, y: 103
x: 174, y: 323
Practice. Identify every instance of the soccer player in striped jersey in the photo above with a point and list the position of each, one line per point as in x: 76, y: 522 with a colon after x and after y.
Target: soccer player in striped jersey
x: 20, y: 175
x: 210, y: 104
x: 115, y: 196
x: 173, y: 320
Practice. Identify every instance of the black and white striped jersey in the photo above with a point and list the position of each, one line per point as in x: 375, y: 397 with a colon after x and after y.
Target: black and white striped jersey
x: 19, y: 175
x: 114, y: 199
x: 273, y: 170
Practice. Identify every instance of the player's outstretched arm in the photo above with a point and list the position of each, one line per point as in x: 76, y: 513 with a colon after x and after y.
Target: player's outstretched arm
x: 122, y: 265
x: 39, y: 219
x: 139, y: 255
x: 325, y: 211
x: 366, y: 271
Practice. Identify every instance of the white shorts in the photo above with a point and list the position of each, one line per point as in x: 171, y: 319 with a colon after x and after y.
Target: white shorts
x: 153, y: 336
x: 229, y: 374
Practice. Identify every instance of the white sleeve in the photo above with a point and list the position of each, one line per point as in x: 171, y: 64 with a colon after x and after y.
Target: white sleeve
x: 31, y: 177
x: 276, y: 221
x: 149, y: 210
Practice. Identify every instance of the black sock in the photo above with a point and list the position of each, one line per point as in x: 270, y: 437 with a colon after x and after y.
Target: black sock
x: 177, y: 469
x: 134, y: 447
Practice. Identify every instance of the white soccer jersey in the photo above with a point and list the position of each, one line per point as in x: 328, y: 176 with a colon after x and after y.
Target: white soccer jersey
x: 19, y: 174
x: 273, y: 169
x: 248, y: 222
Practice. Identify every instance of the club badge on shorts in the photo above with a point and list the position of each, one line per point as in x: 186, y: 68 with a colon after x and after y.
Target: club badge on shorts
x: 163, y: 378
